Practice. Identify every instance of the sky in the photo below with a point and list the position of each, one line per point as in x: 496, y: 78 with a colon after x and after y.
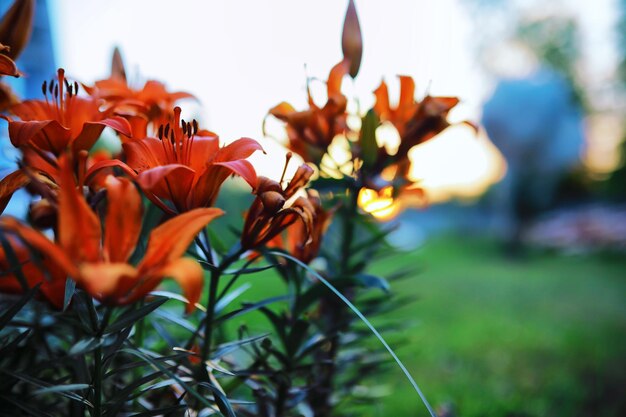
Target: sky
x: 240, y: 58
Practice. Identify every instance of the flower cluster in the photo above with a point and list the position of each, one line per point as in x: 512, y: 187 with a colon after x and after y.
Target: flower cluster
x: 93, y: 246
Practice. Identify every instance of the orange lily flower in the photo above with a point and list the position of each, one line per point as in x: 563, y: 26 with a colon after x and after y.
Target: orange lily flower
x: 52, y: 286
x: 99, y: 263
x: 271, y: 211
x: 63, y: 120
x: 311, y: 131
x: 416, y: 122
x: 151, y: 103
x: 40, y: 173
x: 302, y: 242
x: 187, y: 167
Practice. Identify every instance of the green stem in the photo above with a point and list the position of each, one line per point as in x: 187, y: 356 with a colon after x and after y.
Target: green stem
x: 216, y: 274
x: 97, y: 382
x: 348, y: 230
x: 210, y: 313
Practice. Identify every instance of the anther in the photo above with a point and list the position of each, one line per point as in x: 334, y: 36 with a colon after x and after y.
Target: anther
x: 56, y: 91
x: 75, y: 88
x: 195, y: 127
x: 43, y: 87
x: 184, y: 126
x: 167, y: 130
x: 51, y: 86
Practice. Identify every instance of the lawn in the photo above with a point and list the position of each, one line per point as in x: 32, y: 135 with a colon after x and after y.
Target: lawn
x: 495, y: 337
x: 491, y: 336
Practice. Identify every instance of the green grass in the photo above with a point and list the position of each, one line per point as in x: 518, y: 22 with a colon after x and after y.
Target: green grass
x: 543, y: 336
x: 495, y: 337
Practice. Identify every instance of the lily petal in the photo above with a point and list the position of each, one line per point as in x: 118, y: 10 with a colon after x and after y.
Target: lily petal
x: 8, y: 67
x: 189, y: 275
x: 170, y: 240
x: 123, y: 221
x: 91, y: 132
x: 103, y: 280
x: 238, y: 149
x: 9, y: 184
x: 243, y: 168
x: 40, y: 242
x: 79, y: 231
x: 169, y: 182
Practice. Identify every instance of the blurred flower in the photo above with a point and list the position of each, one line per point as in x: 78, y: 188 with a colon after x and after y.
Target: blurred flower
x: 388, y: 201
x: 64, y: 120
x: 311, y: 131
x: 45, y: 271
x: 275, y: 208
x: 187, y: 167
x: 7, y: 66
x: 39, y: 173
x: 151, y: 103
x: 16, y: 26
x: 415, y: 121
x: 98, y: 263
x: 15, y: 29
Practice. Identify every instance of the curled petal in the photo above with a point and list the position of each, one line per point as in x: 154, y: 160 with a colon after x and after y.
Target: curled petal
x: 282, y: 111
x: 239, y: 149
x: 91, y: 131
x: 242, y: 168
x: 8, y: 67
x: 336, y: 77
x: 48, y: 135
x: 9, y: 184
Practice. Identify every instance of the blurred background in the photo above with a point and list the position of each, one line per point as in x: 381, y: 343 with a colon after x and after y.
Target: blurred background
x: 520, y: 273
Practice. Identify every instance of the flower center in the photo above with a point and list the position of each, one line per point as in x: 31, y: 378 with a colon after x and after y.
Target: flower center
x: 177, y: 138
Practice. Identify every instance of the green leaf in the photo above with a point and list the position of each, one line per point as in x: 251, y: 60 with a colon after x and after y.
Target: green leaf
x: 249, y: 270
x: 15, y: 308
x: 13, y: 344
x: 367, y: 140
x: 32, y: 411
x: 70, y: 287
x: 187, y: 387
x: 162, y: 411
x: 230, y: 297
x: 369, y: 325
x: 250, y: 307
x: 130, y: 317
x: 39, y: 383
x: 61, y: 388
x: 14, y: 262
x: 372, y: 281
x: 220, y: 399
x: 85, y: 346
